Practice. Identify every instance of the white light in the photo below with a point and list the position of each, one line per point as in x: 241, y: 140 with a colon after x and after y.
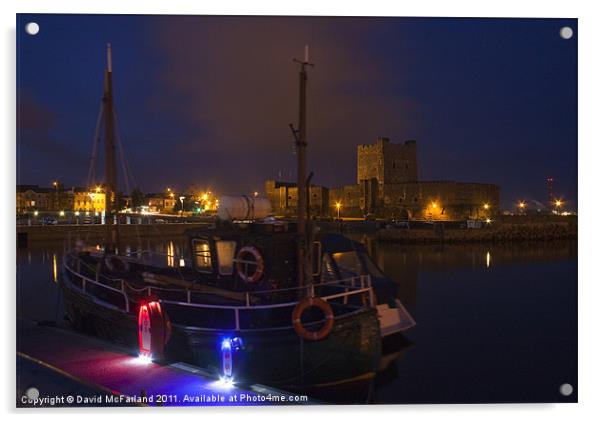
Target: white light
x: 182, y: 262
x: 224, y: 383
x: 143, y: 360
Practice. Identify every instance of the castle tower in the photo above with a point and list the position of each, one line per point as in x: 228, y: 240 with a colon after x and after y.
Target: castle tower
x: 387, y: 162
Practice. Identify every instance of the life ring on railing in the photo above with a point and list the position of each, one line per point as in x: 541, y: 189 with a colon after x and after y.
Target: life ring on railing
x: 301, y: 307
x: 116, y: 264
x: 242, y: 264
x: 154, y: 330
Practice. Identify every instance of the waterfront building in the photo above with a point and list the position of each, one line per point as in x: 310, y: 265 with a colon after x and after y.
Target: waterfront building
x: 32, y: 198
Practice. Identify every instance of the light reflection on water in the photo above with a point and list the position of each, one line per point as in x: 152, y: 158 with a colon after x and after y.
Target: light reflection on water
x: 487, y: 315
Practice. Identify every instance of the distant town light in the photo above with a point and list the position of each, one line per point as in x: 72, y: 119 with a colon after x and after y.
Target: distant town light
x: 55, y: 183
x: 205, y: 197
x: 488, y: 220
x: 255, y: 194
x: 521, y: 204
x: 558, y: 203
x: 97, y: 189
x: 77, y: 213
x: 486, y: 206
x: 62, y: 213
x: 433, y: 204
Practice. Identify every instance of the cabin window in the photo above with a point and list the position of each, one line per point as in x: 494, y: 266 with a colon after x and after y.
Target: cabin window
x: 348, y: 263
x: 202, y: 255
x: 225, y: 256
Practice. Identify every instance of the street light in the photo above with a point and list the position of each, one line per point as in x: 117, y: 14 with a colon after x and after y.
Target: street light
x: 255, y: 194
x: 521, y: 206
x: 338, y: 206
x: 486, y: 206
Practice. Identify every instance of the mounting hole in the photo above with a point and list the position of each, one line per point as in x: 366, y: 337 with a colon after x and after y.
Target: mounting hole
x: 32, y: 28
x: 566, y: 32
x: 566, y: 389
x: 32, y: 393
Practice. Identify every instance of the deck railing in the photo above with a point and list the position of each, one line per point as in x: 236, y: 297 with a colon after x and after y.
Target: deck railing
x: 358, y: 286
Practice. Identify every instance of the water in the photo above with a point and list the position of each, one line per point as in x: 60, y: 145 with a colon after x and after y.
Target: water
x: 496, y: 323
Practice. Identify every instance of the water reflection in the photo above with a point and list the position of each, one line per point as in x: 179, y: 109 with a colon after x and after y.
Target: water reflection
x: 54, y: 268
x: 470, y: 333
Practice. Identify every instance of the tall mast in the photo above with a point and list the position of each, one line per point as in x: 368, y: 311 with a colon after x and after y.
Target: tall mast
x: 301, y: 143
x: 110, y: 167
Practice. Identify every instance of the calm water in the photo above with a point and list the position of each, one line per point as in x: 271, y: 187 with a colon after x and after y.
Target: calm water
x: 495, y: 323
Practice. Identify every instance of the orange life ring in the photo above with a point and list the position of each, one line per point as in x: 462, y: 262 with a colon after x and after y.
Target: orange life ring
x: 241, y: 264
x: 301, y: 307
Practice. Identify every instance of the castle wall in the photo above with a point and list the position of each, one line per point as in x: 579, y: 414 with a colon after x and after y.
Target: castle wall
x: 388, y: 187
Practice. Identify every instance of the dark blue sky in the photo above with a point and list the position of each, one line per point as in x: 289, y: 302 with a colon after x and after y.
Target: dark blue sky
x: 207, y: 100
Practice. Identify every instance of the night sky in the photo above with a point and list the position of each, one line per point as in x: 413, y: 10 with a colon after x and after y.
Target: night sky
x: 206, y: 101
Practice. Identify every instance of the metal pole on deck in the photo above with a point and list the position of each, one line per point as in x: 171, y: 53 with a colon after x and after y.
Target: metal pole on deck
x: 301, y: 144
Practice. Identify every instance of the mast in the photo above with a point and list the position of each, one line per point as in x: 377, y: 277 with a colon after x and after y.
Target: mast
x: 110, y: 167
x: 301, y: 143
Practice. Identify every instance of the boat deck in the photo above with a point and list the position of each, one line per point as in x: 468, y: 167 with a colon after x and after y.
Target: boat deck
x: 61, y: 363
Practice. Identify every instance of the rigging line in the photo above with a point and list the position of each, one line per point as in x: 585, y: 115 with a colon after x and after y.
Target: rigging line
x: 92, y: 167
x: 127, y: 171
x: 122, y: 155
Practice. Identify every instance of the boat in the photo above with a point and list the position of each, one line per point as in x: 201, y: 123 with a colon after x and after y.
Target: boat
x: 258, y: 300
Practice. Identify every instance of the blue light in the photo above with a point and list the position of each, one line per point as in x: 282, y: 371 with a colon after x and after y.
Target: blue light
x: 226, y: 343
x: 227, y: 358
x: 237, y: 343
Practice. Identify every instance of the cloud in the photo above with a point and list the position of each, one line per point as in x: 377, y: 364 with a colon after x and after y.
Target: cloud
x: 234, y: 81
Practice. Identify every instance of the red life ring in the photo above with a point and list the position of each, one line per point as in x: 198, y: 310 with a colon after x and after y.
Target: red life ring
x: 154, y: 330
x: 301, y: 307
x: 242, y: 264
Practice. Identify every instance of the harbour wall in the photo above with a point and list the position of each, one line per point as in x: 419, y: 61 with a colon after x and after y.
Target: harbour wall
x: 97, y: 232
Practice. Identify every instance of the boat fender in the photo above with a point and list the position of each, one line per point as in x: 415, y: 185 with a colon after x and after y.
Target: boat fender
x: 301, y: 307
x: 116, y: 264
x: 241, y: 264
x: 154, y: 330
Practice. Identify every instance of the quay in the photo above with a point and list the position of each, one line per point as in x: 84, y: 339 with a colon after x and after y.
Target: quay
x: 93, y: 232
x: 63, y: 366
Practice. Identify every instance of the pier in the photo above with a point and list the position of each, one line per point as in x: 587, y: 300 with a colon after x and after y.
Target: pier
x: 72, y: 369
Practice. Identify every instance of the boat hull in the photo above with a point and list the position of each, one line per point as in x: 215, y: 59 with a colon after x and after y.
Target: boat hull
x: 349, y: 355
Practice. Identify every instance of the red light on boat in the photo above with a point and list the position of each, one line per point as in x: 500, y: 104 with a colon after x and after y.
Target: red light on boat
x: 153, y: 330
